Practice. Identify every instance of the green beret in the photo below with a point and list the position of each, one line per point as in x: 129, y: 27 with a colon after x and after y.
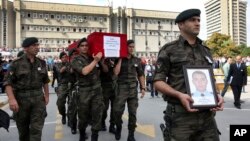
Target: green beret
x: 62, y: 54
x: 184, y: 15
x: 29, y: 41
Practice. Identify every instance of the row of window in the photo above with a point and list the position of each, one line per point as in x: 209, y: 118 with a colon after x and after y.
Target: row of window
x: 48, y: 16
x: 61, y: 29
x: 155, y: 32
x: 55, y: 41
x: 153, y: 21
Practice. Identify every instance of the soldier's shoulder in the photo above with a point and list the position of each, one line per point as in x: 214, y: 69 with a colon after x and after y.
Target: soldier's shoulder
x: 203, y: 43
x: 41, y: 60
x: 168, y: 46
x: 17, y: 59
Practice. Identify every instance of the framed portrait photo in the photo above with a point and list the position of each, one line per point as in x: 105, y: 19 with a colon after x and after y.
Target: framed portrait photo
x: 200, y: 86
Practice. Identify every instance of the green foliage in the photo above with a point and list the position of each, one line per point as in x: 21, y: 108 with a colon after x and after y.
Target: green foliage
x: 222, y: 45
x: 245, y: 51
x: 248, y: 71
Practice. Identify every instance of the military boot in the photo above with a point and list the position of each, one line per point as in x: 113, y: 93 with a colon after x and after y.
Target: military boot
x: 64, y: 119
x: 83, y: 136
x: 73, y: 128
x: 104, y: 128
x: 131, y: 135
x: 94, y: 137
x: 118, y: 132
x: 112, y: 128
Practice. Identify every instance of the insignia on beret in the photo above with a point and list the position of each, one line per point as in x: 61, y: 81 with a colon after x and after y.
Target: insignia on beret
x: 184, y: 15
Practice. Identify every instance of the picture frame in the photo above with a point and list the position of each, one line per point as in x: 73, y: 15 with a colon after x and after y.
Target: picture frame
x: 200, y: 85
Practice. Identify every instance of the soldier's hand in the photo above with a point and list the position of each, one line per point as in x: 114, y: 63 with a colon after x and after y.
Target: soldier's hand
x: 46, y: 98
x: 98, y: 56
x: 13, y: 105
x: 142, y: 93
x: 185, y: 101
x: 220, y: 106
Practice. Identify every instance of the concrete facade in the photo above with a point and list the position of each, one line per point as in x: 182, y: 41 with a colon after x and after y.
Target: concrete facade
x: 227, y: 17
x: 57, y: 25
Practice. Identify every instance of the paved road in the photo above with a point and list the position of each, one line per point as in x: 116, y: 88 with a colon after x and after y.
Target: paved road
x: 149, y: 117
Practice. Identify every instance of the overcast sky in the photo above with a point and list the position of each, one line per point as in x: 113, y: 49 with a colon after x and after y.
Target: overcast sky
x: 162, y: 5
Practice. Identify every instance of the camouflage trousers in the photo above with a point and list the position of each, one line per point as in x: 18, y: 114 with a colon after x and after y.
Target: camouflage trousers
x: 30, y: 118
x: 72, y: 107
x: 109, y: 97
x: 90, y: 105
x: 184, y: 126
x: 129, y: 95
x: 62, y: 93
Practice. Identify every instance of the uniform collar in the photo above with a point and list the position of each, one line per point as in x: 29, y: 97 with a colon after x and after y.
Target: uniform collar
x: 183, y: 41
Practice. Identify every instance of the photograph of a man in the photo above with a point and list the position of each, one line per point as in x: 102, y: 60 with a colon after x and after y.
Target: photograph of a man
x: 201, y: 92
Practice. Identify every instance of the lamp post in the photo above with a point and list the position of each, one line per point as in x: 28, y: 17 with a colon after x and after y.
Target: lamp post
x: 146, y: 37
x: 159, y: 34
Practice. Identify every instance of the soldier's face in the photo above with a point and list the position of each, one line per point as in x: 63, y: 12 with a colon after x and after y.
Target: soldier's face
x: 131, y: 48
x: 64, y: 58
x: 84, y: 47
x: 200, y: 82
x: 33, y: 49
x: 191, y: 26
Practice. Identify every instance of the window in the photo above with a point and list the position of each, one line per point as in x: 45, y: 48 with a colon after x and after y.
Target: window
x: 80, y: 30
x: 46, y: 15
x: 22, y: 27
x: 34, y: 15
x: 105, y: 19
x: 100, y: 30
x: 136, y: 20
x: 63, y: 17
x: 52, y: 16
x: 85, y: 30
x: 74, y: 29
x: 95, y: 18
x: 69, y: 17
x: 141, y: 20
x: 40, y: 16
x: 28, y: 15
x: 58, y: 16
x: 84, y: 17
x: 57, y: 29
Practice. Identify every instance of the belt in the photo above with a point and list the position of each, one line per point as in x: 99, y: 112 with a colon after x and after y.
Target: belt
x: 178, y: 108
x: 124, y: 86
x: 29, y: 93
x: 87, y: 88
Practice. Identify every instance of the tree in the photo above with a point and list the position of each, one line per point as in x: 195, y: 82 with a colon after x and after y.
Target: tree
x: 245, y: 51
x: 222, y: 45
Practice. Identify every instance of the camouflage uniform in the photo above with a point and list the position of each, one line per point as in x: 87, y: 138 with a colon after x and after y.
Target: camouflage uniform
x: 72, y: 105
x: 108, y: 86
x: 180, y: 124
x: 90, y: 98
x: 63, y: 87
x: 127, y: 91
x: 27, y: 80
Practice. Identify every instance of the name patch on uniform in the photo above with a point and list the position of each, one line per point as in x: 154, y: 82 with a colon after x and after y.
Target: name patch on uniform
x: 39, y: 68
x: 136, y: 65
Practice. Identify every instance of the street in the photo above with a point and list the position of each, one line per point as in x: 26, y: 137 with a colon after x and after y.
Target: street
x: 149, y: 118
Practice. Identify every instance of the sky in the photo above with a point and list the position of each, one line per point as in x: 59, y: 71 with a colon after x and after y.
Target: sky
x: 162, y: 5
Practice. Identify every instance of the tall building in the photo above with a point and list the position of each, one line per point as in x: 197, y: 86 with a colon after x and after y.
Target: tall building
x: 227, y: 17
x: 57, y: 25
x: 7, y: 24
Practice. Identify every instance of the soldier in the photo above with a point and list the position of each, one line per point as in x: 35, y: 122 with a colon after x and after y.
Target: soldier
x: 108, y: 86
x: 72, y: 107
x: 182, y: 122
x: 27, y: 89
x: 128, y: 70
x: 63, y: 70
x: 90, y: 98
